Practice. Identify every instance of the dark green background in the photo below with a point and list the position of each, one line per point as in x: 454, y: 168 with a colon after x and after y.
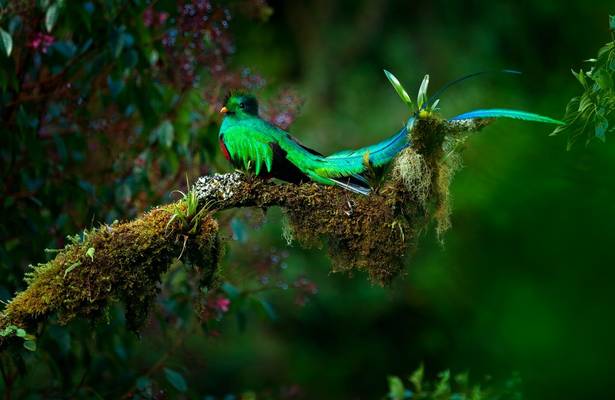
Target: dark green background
x: 524, y: 281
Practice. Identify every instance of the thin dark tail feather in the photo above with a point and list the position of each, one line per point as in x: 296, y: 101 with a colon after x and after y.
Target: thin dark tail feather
x: 352, y: 187
x: 444, y: 88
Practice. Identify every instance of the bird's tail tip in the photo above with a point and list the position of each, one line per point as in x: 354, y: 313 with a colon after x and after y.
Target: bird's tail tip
x: 352, y: 187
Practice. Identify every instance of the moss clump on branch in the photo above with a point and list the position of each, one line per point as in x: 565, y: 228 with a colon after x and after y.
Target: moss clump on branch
x: 119, y: 262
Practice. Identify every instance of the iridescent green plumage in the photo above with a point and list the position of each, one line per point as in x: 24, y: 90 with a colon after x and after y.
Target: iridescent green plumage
x: 252, y: 143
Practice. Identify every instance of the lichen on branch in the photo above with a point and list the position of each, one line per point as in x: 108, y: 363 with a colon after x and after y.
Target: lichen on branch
x: 125, y: 261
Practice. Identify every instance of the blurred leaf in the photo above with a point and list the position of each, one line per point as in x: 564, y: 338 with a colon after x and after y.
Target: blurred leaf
x: 417, y: 378
x: 144, y: 385
x: 7, y: 42
x: 248, y: 396
x: 462, y: 379
x: 66, y: 48
x: 239, y: 230
x: 176, y: 379
x: 601, y: 125
x: 580, y: 77
x: 612, y: 22
x: 268, y: 308
x: 230, y: 290
x: 164, y: 133
x: 30, y: 345
x: 477, y: 394
x: 15, y: 24
x: 443, y: 386
x: 51, y: 16
x: 603, y: 78
x: 397, y: 391
x: 7, y: 331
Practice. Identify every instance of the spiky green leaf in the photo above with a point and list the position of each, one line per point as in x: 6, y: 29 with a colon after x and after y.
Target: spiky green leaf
x: 422, y: 96
x: 399, y: 89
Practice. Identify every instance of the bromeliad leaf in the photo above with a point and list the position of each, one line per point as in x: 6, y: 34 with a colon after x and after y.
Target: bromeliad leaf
x: 399, y: 89
x: 422, y: 96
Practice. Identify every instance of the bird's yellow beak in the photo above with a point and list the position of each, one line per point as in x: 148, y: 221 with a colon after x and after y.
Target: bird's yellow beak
x: 223, y: 110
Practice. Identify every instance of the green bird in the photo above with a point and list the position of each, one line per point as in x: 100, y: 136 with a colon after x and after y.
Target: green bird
x: 253, y: 144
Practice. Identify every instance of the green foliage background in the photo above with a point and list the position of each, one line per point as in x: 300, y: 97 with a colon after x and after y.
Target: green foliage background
x: 524, y: 282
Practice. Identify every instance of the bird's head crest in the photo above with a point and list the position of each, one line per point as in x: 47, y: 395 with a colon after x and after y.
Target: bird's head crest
x: 240, y: 103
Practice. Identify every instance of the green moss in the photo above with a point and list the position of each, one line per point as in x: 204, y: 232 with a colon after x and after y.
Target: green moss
x: 363, y: 233
x: 126, y: 265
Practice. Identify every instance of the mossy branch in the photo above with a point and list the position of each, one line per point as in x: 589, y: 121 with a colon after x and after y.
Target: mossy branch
x: 125, y: 261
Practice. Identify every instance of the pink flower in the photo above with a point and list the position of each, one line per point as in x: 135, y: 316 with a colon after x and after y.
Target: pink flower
x: 148, y: 16
x: 221, y: 304
x: 151, y: 17
x: 41, y: 41
x: 162, y: 17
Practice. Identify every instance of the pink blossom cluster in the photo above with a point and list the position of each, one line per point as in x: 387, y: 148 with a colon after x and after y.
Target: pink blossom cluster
x: 221, y: 304
x: 41, y: 41
x: 214, y: 307
x: 154, y: 18
x: 305, y: 288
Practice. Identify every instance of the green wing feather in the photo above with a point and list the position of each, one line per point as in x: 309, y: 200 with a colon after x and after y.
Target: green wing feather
x: 250, y: 146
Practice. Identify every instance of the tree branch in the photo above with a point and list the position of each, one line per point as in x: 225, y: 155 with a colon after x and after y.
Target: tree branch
x: 125, y: 261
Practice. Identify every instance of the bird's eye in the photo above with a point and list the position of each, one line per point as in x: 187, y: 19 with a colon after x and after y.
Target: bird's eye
x: 242, y: 105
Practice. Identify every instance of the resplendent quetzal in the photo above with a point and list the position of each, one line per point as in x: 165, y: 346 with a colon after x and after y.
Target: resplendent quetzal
x: 251, y: 143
